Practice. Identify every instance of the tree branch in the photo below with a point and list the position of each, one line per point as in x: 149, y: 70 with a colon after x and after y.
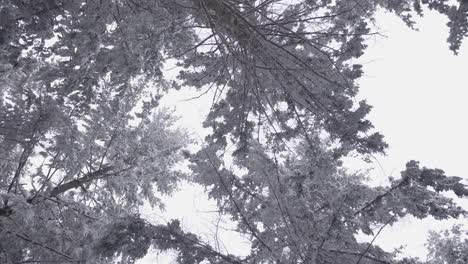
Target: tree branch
x: 78, y: 182
x: 27, y: 239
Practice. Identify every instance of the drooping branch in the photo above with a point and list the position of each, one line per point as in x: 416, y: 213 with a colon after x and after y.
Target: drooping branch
x: 348, y: 252
x: 78, y: 182
x: 238, y: 207
x: 373, y: 239
x: 379, y: 197
x: 27, y: 239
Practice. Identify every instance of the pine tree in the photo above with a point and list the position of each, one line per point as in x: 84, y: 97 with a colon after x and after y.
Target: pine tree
x: 84, y: 143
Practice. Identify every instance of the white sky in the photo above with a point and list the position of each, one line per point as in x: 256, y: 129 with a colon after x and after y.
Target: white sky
x: 418, y: 89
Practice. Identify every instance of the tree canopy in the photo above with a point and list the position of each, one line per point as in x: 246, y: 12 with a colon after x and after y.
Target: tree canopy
x: 84, y: 143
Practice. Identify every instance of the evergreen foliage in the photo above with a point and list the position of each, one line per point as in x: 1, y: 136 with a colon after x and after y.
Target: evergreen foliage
x: 84, y: 143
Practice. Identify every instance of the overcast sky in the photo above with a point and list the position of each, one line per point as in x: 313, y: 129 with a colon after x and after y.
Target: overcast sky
x: 419, y: 91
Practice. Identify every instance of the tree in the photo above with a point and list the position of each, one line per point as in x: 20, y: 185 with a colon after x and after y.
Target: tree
x: 450, y: 246
x: 74, y: 164
x: 84, y: 146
